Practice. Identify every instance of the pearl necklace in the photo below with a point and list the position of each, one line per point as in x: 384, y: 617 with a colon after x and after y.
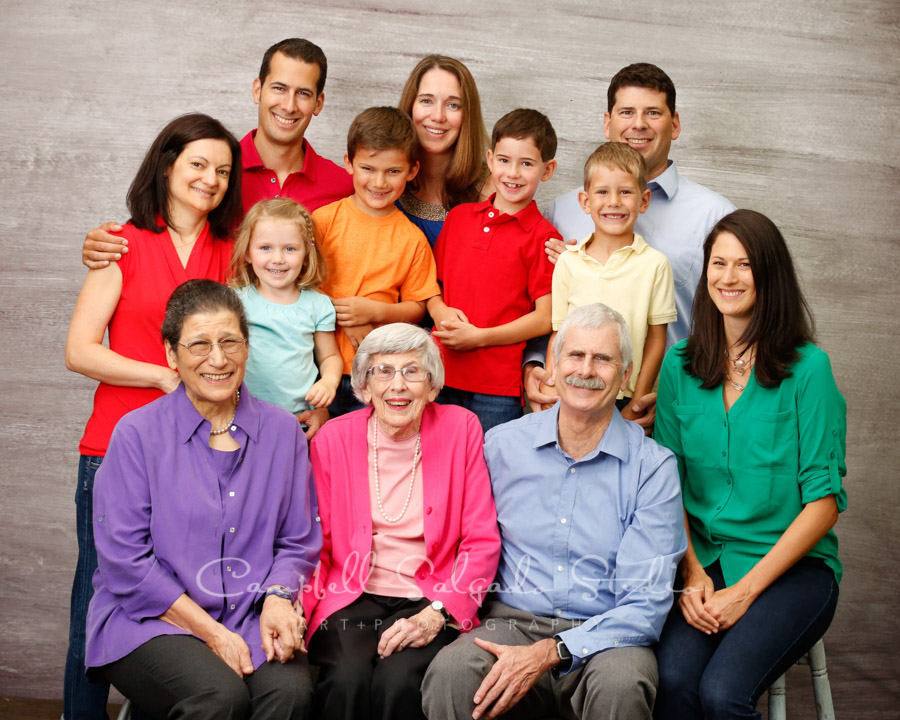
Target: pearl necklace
x: 237, y: 399
x: 412, y: 477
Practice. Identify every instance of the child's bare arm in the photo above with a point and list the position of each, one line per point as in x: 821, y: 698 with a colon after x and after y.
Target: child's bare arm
x: 352, y: 311
x: 330, y: 364
x: 440, y: 311
x: 651, y: 361
x: 458, y: 335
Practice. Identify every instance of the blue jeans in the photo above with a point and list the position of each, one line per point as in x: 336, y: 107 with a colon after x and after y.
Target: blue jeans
x: 83, y: 699
x: 491, y: 409
x: 344, y: 399
x: 722, y: 675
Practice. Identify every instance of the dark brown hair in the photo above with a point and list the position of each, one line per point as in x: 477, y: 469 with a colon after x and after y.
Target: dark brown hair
x: 523, y: 123
x: 383, y: 128
x: 199, y: 296
x: 644, y: 75
x: 148, y: 195
x: 297, y: 49
x: 781, y: 320
x: 468, y: 167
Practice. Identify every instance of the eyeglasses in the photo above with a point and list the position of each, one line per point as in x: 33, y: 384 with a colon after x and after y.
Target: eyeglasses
x: 410, y: 373
x: 202, y: 348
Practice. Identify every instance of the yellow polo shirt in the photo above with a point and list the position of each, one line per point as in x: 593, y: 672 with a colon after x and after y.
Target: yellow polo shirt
x: 636, y: 281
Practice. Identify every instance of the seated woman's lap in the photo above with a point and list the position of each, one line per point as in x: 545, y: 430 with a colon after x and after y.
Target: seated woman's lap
x: 353, y: 681
x: 172, y: 670
x: 723, y: 675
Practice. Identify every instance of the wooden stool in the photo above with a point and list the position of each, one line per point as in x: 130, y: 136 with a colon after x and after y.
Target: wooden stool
x: 815, y: 658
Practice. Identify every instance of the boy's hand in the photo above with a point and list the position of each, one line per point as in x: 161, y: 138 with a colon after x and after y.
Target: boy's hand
x: 459, y: 335
x: 555, y: 247
x: 352, y: 311
x: 101, y: 248
x: 539, y: 387
x: 321, y: 394
x: 448, y: 314
x: 357, y: 333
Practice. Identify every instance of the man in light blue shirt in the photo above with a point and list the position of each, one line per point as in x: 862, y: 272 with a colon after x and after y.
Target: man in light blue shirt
x: 641, y: 112
x: 592, y: 529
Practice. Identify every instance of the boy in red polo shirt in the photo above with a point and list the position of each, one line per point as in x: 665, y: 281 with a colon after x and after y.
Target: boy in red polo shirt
x: 495, y: 274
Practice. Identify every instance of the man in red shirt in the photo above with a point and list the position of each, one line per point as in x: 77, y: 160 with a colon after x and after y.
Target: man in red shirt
x: 276, y: 159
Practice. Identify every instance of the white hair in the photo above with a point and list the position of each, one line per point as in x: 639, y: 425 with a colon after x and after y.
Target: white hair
x: 596, y: 316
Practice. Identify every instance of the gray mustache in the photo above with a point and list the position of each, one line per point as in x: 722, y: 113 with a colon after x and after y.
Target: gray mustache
x: 588, y: 383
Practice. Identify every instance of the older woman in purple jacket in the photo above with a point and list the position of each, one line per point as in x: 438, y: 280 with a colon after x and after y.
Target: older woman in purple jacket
x: 206, y: 530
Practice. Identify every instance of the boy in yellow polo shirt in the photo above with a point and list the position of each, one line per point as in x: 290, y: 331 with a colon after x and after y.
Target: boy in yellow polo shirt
x: 616, y: 267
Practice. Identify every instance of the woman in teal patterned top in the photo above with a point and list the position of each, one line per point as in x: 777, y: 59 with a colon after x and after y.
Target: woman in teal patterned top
x: 751, y: 410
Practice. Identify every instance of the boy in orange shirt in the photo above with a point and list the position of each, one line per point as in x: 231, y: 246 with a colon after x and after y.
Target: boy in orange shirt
x: 381, y: 268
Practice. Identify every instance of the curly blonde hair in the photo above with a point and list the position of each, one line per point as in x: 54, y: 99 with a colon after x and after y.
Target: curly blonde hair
x: 312, y: 274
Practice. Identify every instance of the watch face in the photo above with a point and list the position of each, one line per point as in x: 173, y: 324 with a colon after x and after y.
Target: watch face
x: 437, y: 605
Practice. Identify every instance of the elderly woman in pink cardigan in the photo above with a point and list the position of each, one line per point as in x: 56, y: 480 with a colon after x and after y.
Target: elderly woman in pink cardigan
x: 410, y: 537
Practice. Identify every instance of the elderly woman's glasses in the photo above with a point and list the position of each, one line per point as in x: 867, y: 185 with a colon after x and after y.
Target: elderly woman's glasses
x: 410, y: 373
x: 202, y: 348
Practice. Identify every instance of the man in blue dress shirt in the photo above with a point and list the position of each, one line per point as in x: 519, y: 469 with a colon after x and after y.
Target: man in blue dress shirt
x: 592, y: 529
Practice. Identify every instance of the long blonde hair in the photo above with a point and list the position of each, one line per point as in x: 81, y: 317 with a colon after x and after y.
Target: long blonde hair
x: 312, y: 274
x: 468, y: 167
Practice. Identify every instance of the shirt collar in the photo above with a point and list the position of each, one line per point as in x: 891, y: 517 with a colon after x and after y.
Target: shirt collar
x: 638, y: 245
x: 250, y: 158
x: 188, y: 420
x: 667, y: 181
x: 527, y: 217
x: 614, y: 441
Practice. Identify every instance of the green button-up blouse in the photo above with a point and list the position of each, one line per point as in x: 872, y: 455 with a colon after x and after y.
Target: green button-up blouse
x: 747, y: 473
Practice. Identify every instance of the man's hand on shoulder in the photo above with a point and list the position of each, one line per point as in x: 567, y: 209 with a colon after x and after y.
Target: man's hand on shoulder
x: 100, y: 248
x: 516, y: 671
x: 555, y: 247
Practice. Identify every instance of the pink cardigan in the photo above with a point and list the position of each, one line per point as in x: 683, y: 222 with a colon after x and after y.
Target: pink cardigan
x: 462, y: 540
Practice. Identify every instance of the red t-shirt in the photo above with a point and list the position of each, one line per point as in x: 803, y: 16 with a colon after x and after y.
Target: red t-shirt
x: 151, y: 270
x: 493, y: 267
x: 319, y: 183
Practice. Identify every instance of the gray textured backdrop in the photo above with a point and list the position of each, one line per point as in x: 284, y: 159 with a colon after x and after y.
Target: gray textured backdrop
x: 789, y: 108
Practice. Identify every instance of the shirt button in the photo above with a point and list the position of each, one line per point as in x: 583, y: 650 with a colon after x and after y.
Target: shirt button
x: 231, y: 494
x: 231, y: 530
x: 318, y: 519
x: 563, y: 521
x: 572, y: 471
x: 559, y: 612
x: 491, y: 213
x: 728, y: 482
x: 228, y: 568
x: 232, y: 607
x: 487, y: 229
x: 560, y: 568
x: 719, y: 508
x: 233, y: 428
x: 277, y: 196
x: 723, y: 453
x: 271, y: 179
x: 584, y: 651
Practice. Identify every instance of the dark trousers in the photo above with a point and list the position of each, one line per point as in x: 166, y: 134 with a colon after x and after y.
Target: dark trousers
x: 344, y: 399
x: 492, y: 410
x: 178, y: 676
x: 83, y: 699
x: 354, y: 683
x: 722, y: 675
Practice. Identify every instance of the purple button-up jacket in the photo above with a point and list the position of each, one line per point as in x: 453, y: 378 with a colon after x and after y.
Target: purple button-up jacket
x: 165, y: 524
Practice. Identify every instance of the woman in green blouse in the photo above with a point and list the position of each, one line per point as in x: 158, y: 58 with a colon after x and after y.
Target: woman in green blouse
x: 750, y: 408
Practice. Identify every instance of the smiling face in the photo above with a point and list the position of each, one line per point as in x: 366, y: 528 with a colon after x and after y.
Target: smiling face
x: 516, y: 171
x: 379, y: 178
x: 398, y: 404
x: 589, y: 371
x: 198, y: 179
x: 614, y: 200
x: 641, y: 118
x: 276, y: 253
x: 729, y: 278
x: 288, y: 100
x: 437, y: 111
x: 210, y: 381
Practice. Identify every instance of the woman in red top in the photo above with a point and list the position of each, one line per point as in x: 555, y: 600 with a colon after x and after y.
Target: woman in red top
x: 183, y: 203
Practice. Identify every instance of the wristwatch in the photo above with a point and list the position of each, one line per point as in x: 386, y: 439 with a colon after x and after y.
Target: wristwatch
x: 439, y: 606
x: 565, y: 657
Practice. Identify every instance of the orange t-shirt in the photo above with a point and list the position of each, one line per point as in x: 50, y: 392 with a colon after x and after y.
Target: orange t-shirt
x: 381, y: 258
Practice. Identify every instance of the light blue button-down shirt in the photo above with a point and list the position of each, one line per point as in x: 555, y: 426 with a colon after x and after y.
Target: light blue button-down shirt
x: 679, y: 218
x: 596, y: 539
